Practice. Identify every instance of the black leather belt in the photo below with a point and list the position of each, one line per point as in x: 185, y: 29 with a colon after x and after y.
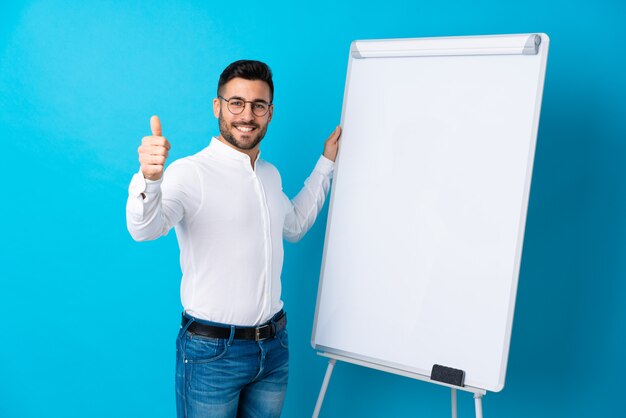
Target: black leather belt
x: 262, y: 332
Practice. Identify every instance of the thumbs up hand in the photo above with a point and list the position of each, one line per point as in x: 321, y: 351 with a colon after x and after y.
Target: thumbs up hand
x: 153, y: 151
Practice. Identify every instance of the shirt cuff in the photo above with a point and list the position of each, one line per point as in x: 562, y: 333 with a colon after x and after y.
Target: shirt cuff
x: 140, y: 185
x: 325, y: 167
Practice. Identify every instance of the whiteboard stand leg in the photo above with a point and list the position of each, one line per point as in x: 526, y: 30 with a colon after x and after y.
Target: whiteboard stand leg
x: 454, y: 414
x: 320, y: 398
x: 478, y: 400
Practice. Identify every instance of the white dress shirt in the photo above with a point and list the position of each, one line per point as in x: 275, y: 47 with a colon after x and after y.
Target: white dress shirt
x: 230, y: 220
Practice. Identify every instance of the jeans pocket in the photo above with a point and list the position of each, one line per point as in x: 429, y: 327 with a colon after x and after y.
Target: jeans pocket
x: 283, y: 338
x: 199, y: 349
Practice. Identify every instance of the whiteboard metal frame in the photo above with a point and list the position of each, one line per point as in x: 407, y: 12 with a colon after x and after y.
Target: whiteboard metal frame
x: 478, y: 393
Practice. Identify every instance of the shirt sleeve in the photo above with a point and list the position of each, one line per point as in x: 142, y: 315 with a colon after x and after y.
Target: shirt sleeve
x: 309, y: 201
x: 154, y: 207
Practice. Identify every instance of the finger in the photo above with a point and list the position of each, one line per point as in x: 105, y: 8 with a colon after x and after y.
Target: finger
x: 151, y: 168
x: 161, y: 141
x: 156, y: 140
x: 152, y: 160
x: 335, y: 135
x: 154, y: 150
x: 155, y: 126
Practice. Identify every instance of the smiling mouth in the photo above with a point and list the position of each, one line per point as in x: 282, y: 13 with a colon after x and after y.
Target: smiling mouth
x: 245, y: 128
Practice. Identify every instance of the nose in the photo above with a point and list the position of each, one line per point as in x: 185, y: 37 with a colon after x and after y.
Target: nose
x: 247, y: 112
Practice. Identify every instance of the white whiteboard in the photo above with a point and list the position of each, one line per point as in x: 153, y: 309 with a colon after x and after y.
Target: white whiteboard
x: 428, y: 208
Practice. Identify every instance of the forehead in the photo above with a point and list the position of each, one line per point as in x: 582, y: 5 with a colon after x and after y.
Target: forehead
x: 247, y: 89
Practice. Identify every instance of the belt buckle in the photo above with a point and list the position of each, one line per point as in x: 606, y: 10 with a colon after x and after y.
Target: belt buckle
x: 257, y: 333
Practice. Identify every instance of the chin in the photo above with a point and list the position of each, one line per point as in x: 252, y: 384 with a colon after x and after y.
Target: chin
x: 246, y: 144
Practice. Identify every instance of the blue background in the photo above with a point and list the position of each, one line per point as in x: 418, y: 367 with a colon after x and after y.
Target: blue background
x: 88, y: 317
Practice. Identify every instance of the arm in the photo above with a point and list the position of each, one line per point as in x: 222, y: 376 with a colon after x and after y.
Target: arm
x: 154, y: 207
x: 309, y: 201
x: 156, y: 203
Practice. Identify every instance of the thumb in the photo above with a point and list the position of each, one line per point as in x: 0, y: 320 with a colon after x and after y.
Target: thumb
x: 155, y: 126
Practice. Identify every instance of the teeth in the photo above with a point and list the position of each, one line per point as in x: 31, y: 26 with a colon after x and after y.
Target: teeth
x: 244, y: 129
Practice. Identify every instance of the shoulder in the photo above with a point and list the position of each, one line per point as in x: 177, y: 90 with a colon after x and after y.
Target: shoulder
x: 181, y: 167
x: 184, y: 169
x: 190, y: 162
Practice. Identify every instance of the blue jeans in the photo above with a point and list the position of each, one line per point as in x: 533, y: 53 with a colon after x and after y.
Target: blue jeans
x: 229, y: 378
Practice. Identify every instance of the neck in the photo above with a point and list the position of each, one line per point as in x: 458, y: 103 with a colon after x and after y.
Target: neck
x: 252, y: 153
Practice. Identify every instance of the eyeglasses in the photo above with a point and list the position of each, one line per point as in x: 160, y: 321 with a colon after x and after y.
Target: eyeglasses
x: 237, y: 106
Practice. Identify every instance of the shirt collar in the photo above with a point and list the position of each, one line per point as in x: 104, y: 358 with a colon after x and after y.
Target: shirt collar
x: 222, y: 149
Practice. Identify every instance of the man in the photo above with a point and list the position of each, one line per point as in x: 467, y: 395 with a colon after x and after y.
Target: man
x: 230, y: 216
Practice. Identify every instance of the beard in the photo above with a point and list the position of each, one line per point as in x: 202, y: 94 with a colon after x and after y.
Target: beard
x: 255, y: 136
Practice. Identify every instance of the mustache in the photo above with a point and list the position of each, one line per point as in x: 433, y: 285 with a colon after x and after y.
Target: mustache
x: 253, y: 124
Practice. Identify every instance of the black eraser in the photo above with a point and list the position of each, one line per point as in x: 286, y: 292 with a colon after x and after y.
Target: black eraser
x: 448, y: 375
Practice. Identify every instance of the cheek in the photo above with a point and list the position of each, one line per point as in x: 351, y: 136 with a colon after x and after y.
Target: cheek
x: 224, y: 122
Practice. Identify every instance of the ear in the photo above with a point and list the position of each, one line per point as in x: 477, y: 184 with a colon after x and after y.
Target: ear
x: 216, y: 107
x: 270, y: 114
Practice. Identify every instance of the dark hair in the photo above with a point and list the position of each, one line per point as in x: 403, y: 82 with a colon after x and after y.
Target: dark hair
x: 248, y: 70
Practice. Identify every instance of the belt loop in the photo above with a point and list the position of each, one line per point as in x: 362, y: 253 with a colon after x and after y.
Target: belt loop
x: 232, y: 335
x: 273, y: 327
x: 190, y: 320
